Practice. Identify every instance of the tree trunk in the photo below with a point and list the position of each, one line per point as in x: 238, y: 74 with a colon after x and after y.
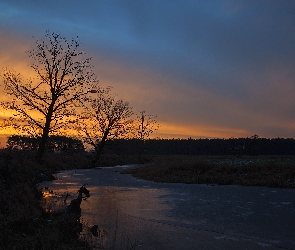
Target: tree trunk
x: 42, y: 144
x: 99, y: 148
x: 45, y: 133
x: 141, y: 138
x: 141, y: 148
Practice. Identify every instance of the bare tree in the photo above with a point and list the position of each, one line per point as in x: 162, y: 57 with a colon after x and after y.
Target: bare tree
x: 144, y: 126
x: 105, y: 118
x: 47, y: 104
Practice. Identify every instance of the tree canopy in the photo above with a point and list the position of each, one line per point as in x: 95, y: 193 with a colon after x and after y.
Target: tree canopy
x: 47, y: 104
x: 105, y: 117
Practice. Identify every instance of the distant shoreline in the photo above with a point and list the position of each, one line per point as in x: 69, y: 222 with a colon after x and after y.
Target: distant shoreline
x: 268, y: 171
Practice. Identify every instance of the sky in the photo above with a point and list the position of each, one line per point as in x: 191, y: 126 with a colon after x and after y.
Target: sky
x: 206, y: 69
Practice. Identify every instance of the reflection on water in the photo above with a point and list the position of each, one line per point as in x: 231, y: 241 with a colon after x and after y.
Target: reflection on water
x: 123, y: 210
x: 118, y: 213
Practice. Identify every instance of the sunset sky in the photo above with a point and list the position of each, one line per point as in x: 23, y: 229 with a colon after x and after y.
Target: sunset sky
x: 207, y: 69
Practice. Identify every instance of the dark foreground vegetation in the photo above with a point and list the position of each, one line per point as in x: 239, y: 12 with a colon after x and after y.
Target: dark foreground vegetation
x: 25, y: 224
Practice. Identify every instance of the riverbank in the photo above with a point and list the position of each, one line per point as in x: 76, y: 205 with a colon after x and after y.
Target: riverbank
x: 23, y: 222
x: 25, y: 225
x: 269, y: 171
x: 173, y: 216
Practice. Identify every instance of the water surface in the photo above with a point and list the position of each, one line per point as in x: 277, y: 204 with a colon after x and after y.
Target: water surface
x: 152, y: 215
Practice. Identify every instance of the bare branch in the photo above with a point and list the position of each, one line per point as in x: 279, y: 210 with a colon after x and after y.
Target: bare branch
x: 63, y: 74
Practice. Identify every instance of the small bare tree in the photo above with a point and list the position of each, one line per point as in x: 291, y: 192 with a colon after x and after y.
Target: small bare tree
x: 105, y: 118
x: 48, y: 104
x: 144, y: 126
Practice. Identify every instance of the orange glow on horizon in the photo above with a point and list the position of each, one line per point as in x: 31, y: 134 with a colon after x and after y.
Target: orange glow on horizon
x: 169, y: 131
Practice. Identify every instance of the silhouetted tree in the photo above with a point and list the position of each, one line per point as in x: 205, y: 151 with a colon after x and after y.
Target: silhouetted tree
x: 144, y: 126
x: 17, y: 142
x: 254, y: 144
x: 105, y: 118
x: 47, y: 104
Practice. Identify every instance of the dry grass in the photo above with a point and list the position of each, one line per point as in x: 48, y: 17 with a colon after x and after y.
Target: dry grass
x: 248, y: 171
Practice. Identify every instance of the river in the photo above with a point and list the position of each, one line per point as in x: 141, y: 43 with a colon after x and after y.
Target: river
x: 138, y: 214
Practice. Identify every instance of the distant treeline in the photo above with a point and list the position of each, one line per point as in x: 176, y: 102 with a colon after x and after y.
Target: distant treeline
x: 54, y: 143
x: 232, y: 146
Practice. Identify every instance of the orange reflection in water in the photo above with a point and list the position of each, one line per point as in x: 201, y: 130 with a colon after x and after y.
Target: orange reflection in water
x: 123, y: 201
x: 120, y: 213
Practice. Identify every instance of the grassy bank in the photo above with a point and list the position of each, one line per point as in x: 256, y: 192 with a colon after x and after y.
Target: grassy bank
x: 266, y: 171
